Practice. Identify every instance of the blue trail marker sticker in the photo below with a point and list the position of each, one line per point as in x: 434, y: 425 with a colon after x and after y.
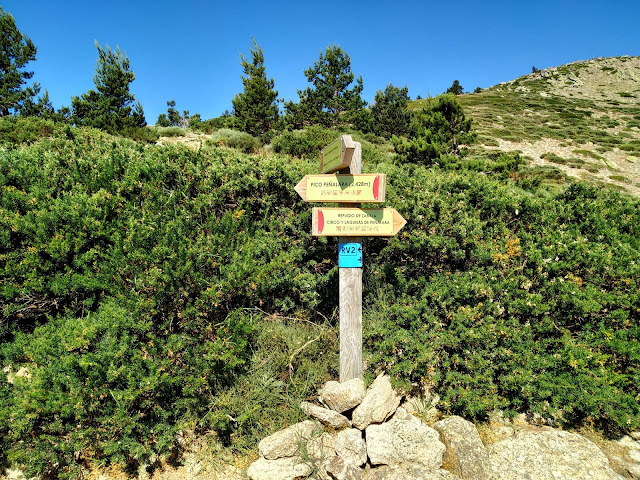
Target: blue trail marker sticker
x: 350, y: 255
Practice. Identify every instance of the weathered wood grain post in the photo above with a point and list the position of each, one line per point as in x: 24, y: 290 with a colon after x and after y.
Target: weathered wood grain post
x: 350, y: 286
x: 350, y: 223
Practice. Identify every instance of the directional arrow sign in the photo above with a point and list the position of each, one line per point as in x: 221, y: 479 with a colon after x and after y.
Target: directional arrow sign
x: 365, y: 188
x: 356, y: 222
x: 337, y: 155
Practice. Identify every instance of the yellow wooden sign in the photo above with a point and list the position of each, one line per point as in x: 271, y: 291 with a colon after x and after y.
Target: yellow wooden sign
x: 363, y: 188
x: 337, y: 155
x: 356, y: 222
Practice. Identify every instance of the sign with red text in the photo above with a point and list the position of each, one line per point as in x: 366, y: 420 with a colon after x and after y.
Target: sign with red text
x: 356, y: 222
x: 361, y: 188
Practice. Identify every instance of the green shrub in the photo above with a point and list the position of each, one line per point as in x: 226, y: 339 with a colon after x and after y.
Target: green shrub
x: 25, y: 130
x: 105, y: 386
x: 125, y: 276
x: 147, y: 288
x: 500, y: 299
x: 304, y: 143
x: 235, y: 139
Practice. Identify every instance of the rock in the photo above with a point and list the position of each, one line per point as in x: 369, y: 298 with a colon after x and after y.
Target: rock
x: 379, y: 403
x: 406, y: 472
x: 351, y: 447
x: 321, y: 447
x: 502, y: 433
x: 465, y: 454
x: 633, y: 447
x: 549, y: 455
x: 286, y: 443
x: 634, y: 472
x: 341, y: 397
x: 22, y: 372
x: 338, y: 469
x: 289, y: 468
x: 326, y: 416
x: 635, y: 436
x: 400, y: 441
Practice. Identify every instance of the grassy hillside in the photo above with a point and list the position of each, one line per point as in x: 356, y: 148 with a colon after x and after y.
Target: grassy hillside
x: 149, y: 291
x: 582, y: 118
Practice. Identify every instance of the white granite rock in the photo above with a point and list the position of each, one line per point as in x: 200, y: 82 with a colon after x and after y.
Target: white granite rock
x: 326, y: 416
x: 341, y: 397
x: 379, y: 403
x: 290, y: 468
x: 549, y: 455
x: 398, y: 442
x: 465, y: 455
x: 338, y: 469
x: 321, y: 447
x: 286, y: 443
x: 633, y: 447
x: 351, y: 447
x: 406, y: 472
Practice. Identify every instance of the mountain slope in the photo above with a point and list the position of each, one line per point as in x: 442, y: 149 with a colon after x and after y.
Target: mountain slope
x: 583, y: 118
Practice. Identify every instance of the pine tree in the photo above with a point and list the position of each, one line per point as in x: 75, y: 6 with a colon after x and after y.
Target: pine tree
x: 440, y: 128
x: 255, y: 109
x: 390, y: 114
x: 16, y: 50
x: 329, y: 101
x: 455, y: 88
x: 40, y: 108
x: 173, y: 118
x: 111, y: 106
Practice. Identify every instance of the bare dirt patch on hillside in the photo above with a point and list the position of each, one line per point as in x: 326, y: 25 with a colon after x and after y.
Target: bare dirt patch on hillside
x: 616, y: 168
x: 190, y: 139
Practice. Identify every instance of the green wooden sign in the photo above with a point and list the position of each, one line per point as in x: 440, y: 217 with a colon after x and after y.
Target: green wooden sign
x: 337, y: 155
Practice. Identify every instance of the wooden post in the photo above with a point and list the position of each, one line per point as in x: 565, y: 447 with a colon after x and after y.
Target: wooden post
x: 350, y: 286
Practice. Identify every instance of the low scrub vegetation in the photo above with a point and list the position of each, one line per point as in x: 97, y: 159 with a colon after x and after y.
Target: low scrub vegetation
x: 149, y: 290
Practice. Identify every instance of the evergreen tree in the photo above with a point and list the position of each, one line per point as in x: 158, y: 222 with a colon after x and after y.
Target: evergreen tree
x: 440, y: 128
x: 455, y: 88
x: 173, y: 118
x: 111, y: 106
x: 162, y: 120
x: 389, y: 111
x: 255, y: 109
x: 16, y: 50
x: 329, y: 101
x: 40, y: 108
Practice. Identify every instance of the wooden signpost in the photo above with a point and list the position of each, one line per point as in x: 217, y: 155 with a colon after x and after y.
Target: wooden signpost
x: 349, y: 222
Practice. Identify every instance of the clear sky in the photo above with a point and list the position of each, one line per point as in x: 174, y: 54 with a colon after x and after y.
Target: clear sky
x: 189, y: 50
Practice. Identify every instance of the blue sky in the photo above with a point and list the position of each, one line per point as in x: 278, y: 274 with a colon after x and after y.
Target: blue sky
x: 189, y: 51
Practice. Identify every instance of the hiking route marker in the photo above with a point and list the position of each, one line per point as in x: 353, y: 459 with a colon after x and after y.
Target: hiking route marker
x: 369, y: 188
x: 338, y: 155
x: 349, y: 222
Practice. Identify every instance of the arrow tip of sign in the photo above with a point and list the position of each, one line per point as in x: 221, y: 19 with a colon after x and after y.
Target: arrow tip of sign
x: 301, y: 188
x: 398, y: 221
